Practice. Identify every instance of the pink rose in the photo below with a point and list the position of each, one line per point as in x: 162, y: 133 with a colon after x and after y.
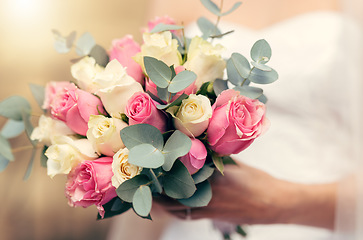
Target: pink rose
x: 90, y: 183
x: 53, y: 89
x: 195, y: 159
x: 74, y: 107
x: 141, y: 108
x: 152, y: 88
x: 166, y: 20
x: 236, y: 122
x: 123, y: 50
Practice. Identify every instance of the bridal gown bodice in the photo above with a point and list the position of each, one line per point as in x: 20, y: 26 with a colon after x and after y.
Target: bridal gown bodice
x: 311, y: 107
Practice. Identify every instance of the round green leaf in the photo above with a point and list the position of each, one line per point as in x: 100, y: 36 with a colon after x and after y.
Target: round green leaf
x: 142, y: 201
x: 261, y: 66
x: 12, y: 128
x: 203, y: 174
x: 137, y: 134
x: 85, y: 44
x: 128, y: 188
x: 161, y: 27
x: 261, y: 51
x: 211, y: 6
x: 262, y: 77
x: 146, y: 155
x: 176, y: 146
x: 238, y: 68
x: 234, y: 7
x: 181, y: 81
x: 5, y: 149
x: 207, y: 27
x: 219, y: 86
x: 250, y: 92
x: 13, y: 107
x: 100, y: 55
x: 201, y: 197
x: 3, y: 163
x: 157, y: 71
x: 61, y: 44
x: 178, y: 183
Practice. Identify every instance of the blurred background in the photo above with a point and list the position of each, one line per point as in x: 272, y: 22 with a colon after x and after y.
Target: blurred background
x: 37, y: 208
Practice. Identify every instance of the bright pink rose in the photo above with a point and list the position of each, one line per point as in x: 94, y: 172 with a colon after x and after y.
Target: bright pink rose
x: 53, y: 89
x: 90, y: 183
x: 74, y: 107
x: 236, y: 122
x: 166, y: 20
x: 151, y: 87
x: 141, y: 108
x: 123, y: 50
x: 195, y: 159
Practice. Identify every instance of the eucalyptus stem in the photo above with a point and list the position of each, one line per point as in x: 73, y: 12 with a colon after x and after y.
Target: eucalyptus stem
x: 218, y: 19
x: 23, y: 148
x: 157, y: 184
x: 244, y: 80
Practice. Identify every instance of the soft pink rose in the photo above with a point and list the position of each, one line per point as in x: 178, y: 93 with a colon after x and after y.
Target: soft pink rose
x: 74, y: 107
x: 236, y: 122
x: 52, y: 89
x: 151, y: 87
x: 195, y: 159
x: 141, y: 108
x: 123, y: 50
x: 166, y: 20
x: 90, y: 183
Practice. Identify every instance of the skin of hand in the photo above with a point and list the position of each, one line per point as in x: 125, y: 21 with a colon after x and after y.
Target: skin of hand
x: 246, y: 195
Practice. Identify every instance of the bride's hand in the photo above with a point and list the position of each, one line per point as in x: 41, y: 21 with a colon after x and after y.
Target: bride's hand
x: 246, y: 195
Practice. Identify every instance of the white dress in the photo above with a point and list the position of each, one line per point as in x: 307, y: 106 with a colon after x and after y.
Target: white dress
x: 312, y: 108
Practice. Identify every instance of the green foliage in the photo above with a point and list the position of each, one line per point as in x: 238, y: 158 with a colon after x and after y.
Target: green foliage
x: 43, y: 157
x: 261, y: 51
x: 251, y: 92
x: 142, y: 201
x: 181, y: 81
x: 84, y: 44
x: 146, y: 155
x: 13, y: 107
x: 176, y: 146
x: 218, y: 162
x: 5, y: 149
x: 100, y: 55
x: 241, y: 231
x: 161, y: 27
x: 178, y: 183
x: 201, y: 197
x: 114, y: 207
x: 63, y: 44
x: 238, y: 69
x: 157, y: 71
x: 12, y: 128
x: 207, y: 28
x: 128, y: 188
x: 263, y: 77
x: 203, y: 174
x: 219, y: 86
x: 213, y: 8
x: 137, y: 134
x: 177, y: 102
x: 3, y: 163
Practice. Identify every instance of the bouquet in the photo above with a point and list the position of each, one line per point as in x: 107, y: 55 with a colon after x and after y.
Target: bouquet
x: 140, y: 121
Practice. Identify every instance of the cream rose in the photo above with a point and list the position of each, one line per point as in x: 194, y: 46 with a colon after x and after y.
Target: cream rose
x: 160, y: 46
x: 104, y: 134
x: 122, y: 169
x: 205, y: 60
x: 192, y: 117
x: 66, y: 153
x: 48, y: 128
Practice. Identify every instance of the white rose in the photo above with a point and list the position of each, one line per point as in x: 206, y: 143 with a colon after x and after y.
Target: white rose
x: 160, y: 46
x: 48, y: 128
x: 104, y: 134
x: 66, y: 153
x: 85, y: 71
x: 192, y: 117
x: 205, y: 60
x: 122, y: 169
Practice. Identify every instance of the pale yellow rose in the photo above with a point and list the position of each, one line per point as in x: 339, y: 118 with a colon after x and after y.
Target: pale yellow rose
x: 205, y: 60
x: 104, y: 134
x: 160, y: 46
x: 48, y: 128
x: 192, y: 117
x: 66, y: 153
x: 122, y: 169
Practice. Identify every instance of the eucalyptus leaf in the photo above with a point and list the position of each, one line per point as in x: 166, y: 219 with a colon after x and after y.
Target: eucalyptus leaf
x: 38, y: 93
x: 261, y: 51
x: 263, y: 99
x: 261, y: 66
x: 137, y: 134
x: 218, y: 162
x: 178, y: 183
x: 30, y: 165
x: 176, y: 146
x: 262, y: 77
x: 161, y: 27
x: 12, y: 107
x: 43, y: 157
x: 12, y: 128
x: 5, y: 149
x: 211, y: 6
x: 203, y: 174
x: 114, y: 207
x: 201, y: 197
x: 207, y: 27
x: 142, y: 201
x: 146, y: 155
x: 156, y: 182
x: 250, y: 92
x: 219, y: 85
x: 177, y: 101
x: 238, y: 69
x: 60, y: 42
x: 3, y: 163
x: 100, y: 55
x: 85, y: 44
x: 157, y: 71
x: 234, y: 7
x: 182, y: 81
x: 128, y: 188
x: 163, y: 93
